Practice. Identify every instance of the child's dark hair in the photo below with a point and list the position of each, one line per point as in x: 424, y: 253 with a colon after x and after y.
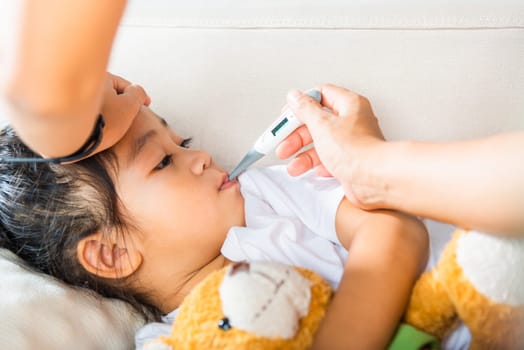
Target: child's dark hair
x: 46, y: 209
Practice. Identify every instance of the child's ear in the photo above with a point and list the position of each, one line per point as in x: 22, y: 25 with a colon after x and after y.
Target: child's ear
x: 108, y: 258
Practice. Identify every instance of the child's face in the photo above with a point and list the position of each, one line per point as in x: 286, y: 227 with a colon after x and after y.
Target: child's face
x: 176, y: 197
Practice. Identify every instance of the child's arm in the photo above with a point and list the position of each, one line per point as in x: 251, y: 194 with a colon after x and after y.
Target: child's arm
x: 387, y: 252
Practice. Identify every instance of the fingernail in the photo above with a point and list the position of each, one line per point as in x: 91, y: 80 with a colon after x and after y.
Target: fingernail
x: 293, y: 96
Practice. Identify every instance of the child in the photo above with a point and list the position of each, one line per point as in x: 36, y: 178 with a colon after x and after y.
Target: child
x: 148, y: 219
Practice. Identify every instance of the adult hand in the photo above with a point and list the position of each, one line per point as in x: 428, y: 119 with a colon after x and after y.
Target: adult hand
x: 121, y: 103
x: 54, y: 89
x: 344, y: 137
x: 409, y: 176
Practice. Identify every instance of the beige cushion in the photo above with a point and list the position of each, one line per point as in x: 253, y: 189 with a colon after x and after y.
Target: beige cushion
x: 38, y: 312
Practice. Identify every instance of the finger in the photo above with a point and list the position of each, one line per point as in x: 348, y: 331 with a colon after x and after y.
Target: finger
x: 338, y: 99
x: 303, y: 162
x: 322, y: 171
x: 303, y: 106
x: 142, y: 92
x: 119, y: 83
x: 135, y: 96
x: 294, y: 142
x: 313, y: 114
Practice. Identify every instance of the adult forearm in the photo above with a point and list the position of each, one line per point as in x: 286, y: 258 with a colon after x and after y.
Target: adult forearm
x: 55, y: 87
x: 475, y: 184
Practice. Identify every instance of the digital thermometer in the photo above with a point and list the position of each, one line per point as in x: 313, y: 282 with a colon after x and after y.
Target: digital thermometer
x: 276, y: 133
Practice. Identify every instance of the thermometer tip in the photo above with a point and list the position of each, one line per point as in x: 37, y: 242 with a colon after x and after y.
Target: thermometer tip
x: 251, y: 157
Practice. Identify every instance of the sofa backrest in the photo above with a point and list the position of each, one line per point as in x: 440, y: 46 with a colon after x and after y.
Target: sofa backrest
x: 220, y: 70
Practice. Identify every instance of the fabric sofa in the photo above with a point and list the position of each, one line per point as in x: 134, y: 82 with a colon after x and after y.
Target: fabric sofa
x: 219, y: 71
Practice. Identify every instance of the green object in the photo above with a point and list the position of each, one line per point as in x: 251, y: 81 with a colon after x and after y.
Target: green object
x: 410, y: 338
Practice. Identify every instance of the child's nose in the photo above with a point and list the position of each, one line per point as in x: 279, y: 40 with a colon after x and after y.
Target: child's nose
x: 201, y: 161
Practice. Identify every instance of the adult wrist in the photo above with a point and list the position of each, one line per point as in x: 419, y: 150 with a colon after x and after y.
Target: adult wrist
x: 371, y: 176
x: 390, y: 171
x: 89, y: 146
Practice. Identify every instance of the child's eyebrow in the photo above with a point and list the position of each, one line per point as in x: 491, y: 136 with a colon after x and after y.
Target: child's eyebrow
x: 162, y: 120
x: 138, y: 145
x: 141, y: 141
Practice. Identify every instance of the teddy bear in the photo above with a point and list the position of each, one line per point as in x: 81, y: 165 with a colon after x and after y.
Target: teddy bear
x: 261, y: 306
x: 258, y: 305
x: 479, y: 280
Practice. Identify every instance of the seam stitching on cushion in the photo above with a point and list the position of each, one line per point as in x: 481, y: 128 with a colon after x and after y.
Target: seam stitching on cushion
x: 482, y: 22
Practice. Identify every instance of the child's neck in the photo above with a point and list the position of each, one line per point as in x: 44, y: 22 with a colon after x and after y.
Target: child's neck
x: 173, y: 301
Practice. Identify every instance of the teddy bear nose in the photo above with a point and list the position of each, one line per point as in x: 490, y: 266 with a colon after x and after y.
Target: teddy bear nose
x: 237, y: 267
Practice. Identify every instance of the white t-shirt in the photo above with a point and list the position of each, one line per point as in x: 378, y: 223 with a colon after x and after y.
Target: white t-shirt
x: 289, y: 220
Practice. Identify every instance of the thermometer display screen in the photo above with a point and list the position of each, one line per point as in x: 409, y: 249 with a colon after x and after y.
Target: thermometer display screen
x: 279, y: 126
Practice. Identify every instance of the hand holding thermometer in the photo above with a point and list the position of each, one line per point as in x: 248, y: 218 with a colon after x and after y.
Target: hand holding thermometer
x: 276, y: 133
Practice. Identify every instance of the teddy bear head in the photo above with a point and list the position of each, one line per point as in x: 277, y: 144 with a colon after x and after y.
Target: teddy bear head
x: 258, y: 305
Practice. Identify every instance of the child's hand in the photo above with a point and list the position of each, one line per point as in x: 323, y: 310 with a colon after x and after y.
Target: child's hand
x: 120, y: 104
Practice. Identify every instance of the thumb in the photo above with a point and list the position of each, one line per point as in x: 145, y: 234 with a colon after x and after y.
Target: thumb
x: 310, y: 112
x: 305, y: 108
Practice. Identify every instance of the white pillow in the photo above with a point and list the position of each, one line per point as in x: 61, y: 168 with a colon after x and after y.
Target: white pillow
x: 39, y: 312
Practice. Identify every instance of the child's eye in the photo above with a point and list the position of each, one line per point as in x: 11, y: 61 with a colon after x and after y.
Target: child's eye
x: 186, y: 142
x: 166, y: 161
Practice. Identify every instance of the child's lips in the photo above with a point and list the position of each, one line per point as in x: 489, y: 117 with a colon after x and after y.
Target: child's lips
x: 227, y: 184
